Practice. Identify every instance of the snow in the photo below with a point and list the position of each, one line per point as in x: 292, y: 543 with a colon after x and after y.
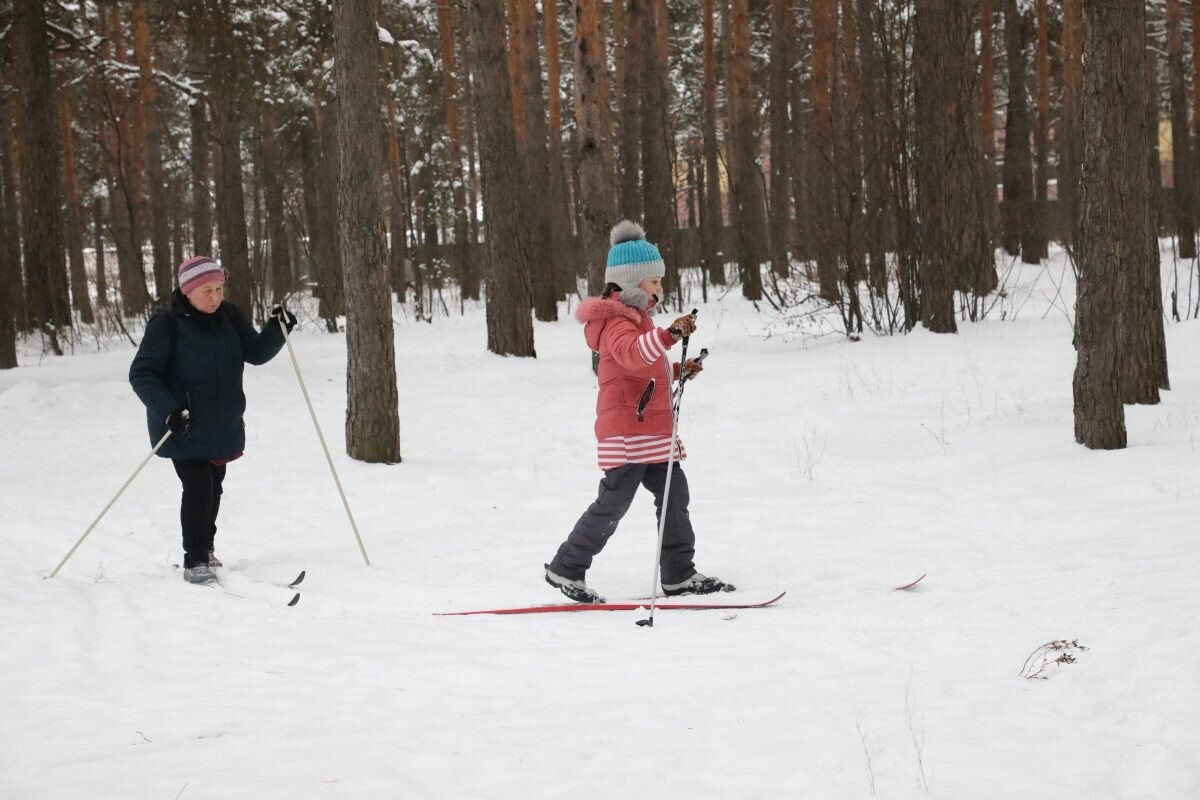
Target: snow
x: 385, y: 36
x: 829, y: 469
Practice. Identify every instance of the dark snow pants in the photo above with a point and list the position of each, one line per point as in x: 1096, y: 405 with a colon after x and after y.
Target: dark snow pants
x: 599, y: 522
x: 198, y: 510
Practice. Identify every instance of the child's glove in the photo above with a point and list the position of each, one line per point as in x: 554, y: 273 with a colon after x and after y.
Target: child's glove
x: 683, y: 327
x: 692, y: 368
x: 281, y: 314
x: 177, y: 421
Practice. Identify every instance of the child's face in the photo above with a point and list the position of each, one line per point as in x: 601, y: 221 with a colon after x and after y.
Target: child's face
x: 652, y: 286
x: 207, y: 297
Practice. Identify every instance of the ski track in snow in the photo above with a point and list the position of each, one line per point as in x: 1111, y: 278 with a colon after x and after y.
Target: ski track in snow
x: 829, y: 469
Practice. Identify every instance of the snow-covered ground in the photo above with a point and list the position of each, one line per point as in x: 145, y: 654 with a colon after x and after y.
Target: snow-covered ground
x: 829, y: 469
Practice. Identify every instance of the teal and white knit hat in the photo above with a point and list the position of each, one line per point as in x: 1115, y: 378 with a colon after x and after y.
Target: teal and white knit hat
x: 632, y: 259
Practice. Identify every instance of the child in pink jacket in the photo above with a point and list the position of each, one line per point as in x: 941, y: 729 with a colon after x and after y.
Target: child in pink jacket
x: 633, y: 421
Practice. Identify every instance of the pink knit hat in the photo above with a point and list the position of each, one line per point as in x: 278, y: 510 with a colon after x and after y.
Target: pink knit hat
x: 195, y: 272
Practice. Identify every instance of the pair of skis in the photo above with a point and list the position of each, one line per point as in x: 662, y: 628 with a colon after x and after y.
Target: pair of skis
x: 633, y: 606
x: 220, y: 584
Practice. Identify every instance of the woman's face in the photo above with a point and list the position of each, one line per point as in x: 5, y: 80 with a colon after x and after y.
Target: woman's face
x: 207, y: 297
x: 652, y: 287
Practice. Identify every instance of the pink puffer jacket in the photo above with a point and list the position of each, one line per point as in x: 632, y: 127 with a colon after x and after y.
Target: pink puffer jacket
x: 632, y: 353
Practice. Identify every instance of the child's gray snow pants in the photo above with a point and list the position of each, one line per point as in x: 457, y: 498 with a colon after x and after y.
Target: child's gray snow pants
x: 599, y: 522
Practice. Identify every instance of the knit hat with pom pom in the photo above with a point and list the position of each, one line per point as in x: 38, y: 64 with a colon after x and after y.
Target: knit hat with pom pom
x: 632, y: 259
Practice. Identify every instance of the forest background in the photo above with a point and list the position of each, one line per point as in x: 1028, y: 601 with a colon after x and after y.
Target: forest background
x: 863, y: 155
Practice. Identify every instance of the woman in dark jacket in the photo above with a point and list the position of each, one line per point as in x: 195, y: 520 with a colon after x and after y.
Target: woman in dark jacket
x: 188, y: 373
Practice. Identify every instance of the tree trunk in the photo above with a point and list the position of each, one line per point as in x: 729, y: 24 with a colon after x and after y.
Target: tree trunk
x: 782, y: 34
x: 98, y: 246
x: 955, y: 244
x: 372, y: 421
x: 874, y: 180
x: 1016, y: 214
x: 631, y: 55
x: 548, y: 221
x: 227, y: 71
x: 1036, y: 235
x: 329, y: 255
x: 564, y: 266
x: 662, y: 219
x: 202, y: 212
x: 45, y: 272
x: 272, y: 184
x: 81, y: 298
x: 1113, y: 211
x: 509, y: 239
x: 821, y: 136
x: 750, y: 224
x: 1182, y: 172
x: 467, y: 278
x: 10, y: 264
x: 1070, y: 131
x: 597, y: 193
x: 156, y: 196
x: 713, y: 224
x: 398, y: 218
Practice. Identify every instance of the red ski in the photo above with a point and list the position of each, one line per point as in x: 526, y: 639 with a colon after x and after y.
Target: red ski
x: 611, y: 607
x: 910, y: 584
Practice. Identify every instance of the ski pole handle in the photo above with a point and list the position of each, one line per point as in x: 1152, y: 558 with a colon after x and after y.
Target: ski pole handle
x: 684, y: 375
x: 676, y: 331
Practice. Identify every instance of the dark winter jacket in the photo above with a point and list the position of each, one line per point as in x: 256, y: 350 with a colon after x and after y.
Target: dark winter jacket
x: 192, y: 360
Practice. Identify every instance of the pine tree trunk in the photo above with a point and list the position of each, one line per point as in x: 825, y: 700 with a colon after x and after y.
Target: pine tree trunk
x: 662, y: 218
x: 1114, y: 205
x: 874, y: 181
x: 782, y: 34
x: 509, y: 238
x: 821, y: 137
x: 10, y: 264
x: 227, y: 71
x: 98, y: 245
x: 468, y: 279
x: 160, y: 234
x: 329, y: 256
x: 954, y: 244
x: 45, y: 271
x: 597, y: 192
x: 1037, y: 231
x: 1016, y: 216
x: 73, y: 222
x: 713, y: 224
x: 564, y: 219
x: 10, y: 228
x: 372, y: 421
x: 848, y: 157
x: 202, y: 212
x: 1158, y: 215
x: 309, y: 151
x: 398, y: 217
x: 548, y: 221
x: 750, y: 223
x: 629, y: 201
x: 1070, y: 133
x: 1182, y: 171
x: 281, y: 281
x: 987, y: 93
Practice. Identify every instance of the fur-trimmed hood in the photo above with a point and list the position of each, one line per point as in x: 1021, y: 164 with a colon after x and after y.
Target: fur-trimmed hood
x: 594, y: 312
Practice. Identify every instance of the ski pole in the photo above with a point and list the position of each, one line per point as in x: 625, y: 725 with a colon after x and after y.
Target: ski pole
x: 120, y: 492
x: 324, y: 447
x: 662, y: 519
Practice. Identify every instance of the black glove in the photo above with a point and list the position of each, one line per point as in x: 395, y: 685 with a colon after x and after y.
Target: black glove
x: 177, y: 422
x: 279, y: 313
